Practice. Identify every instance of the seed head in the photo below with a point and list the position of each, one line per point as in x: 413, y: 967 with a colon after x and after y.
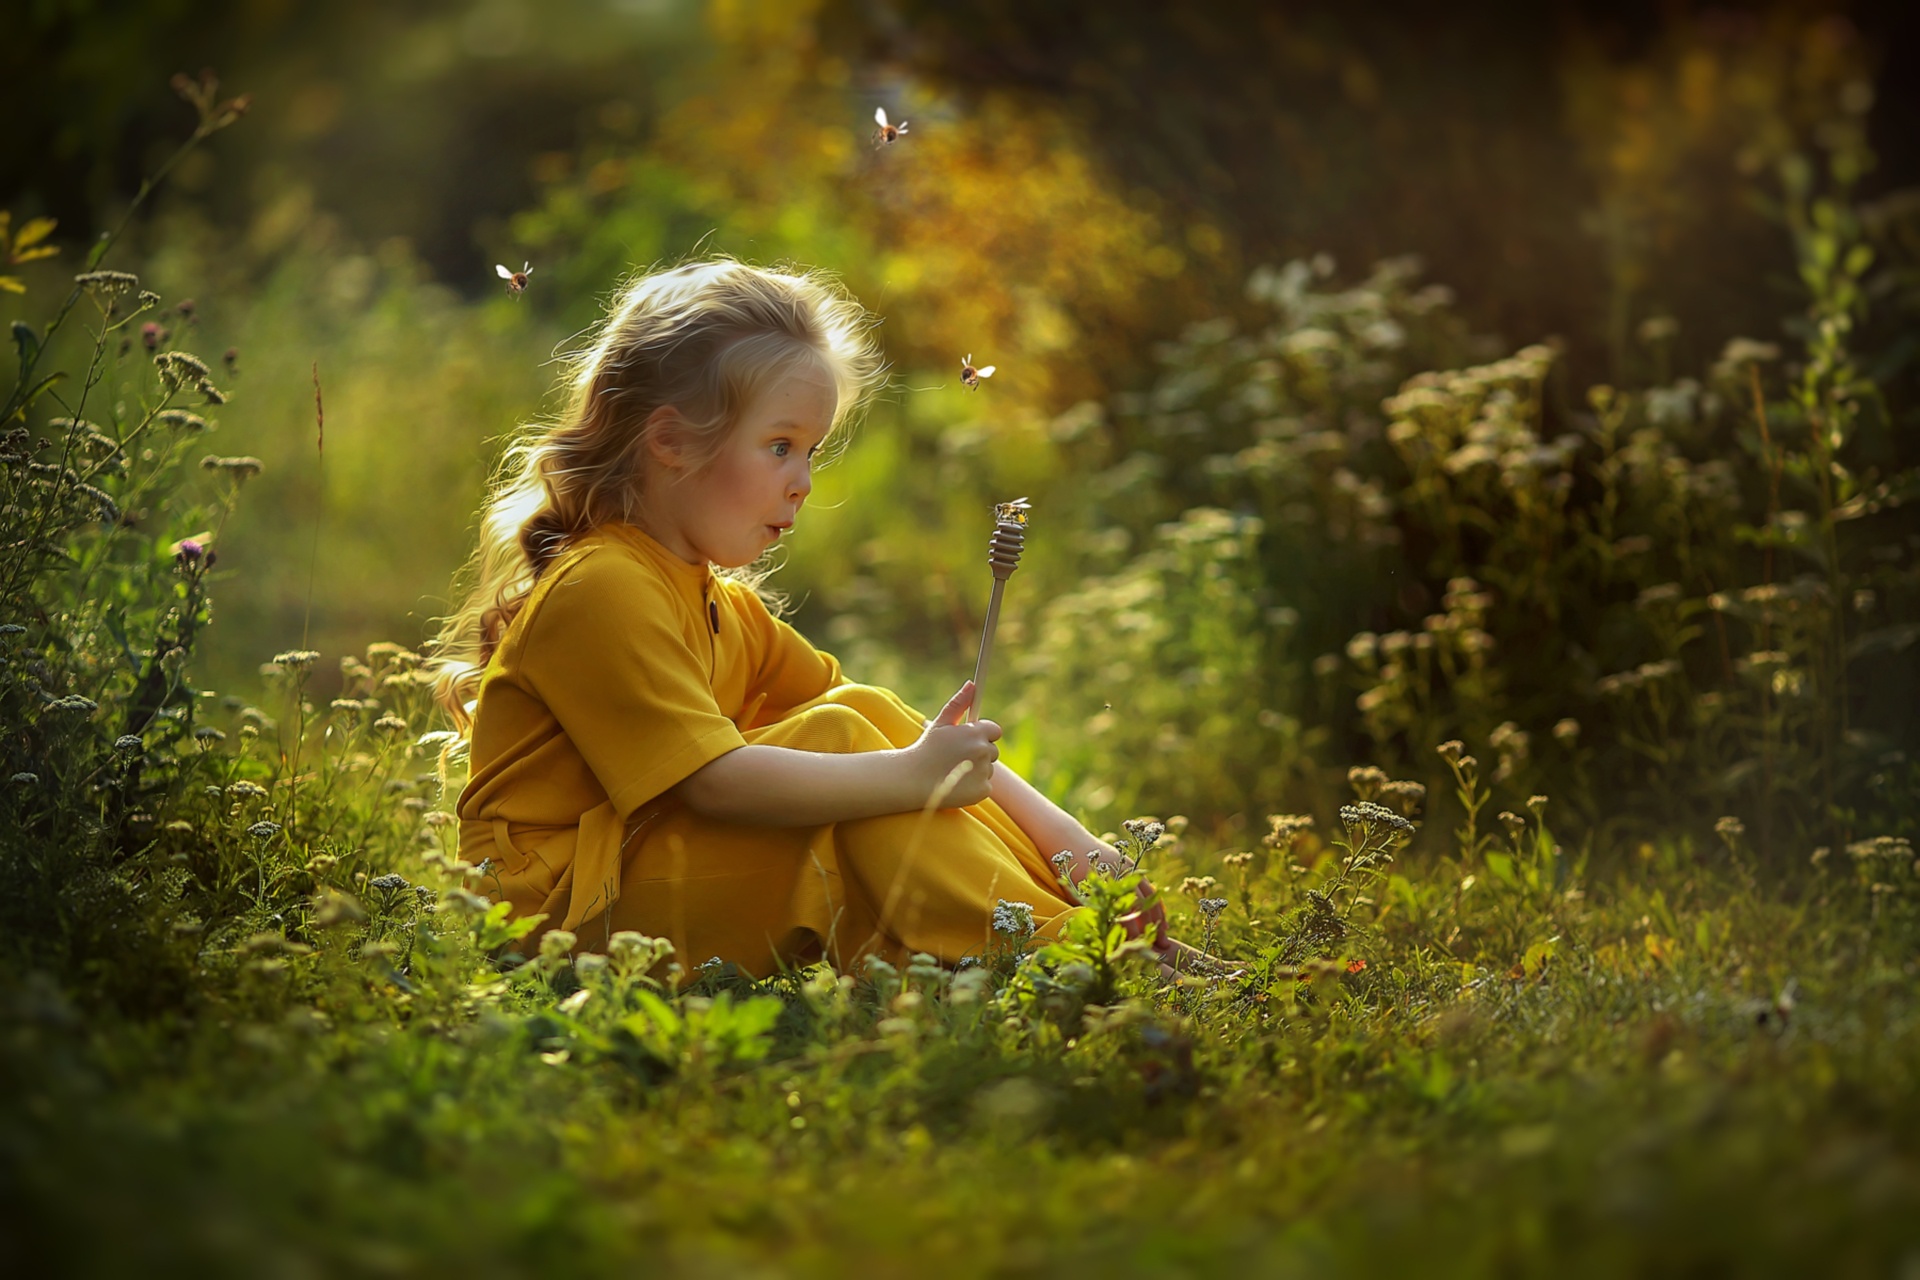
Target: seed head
x: 181, y: 420
x: 557, y: 944
x: 1451, y: 750
x: 1368, y: 814
x: 1211, y: 908
x: 1566, y: 732
x: 264, y: 830
x: 240, y: 469
x: 108, y: 284
x: 1285, y: 828
x: 1515, y: 824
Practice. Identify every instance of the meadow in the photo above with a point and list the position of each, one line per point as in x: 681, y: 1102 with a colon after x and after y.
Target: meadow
x: 1528, y: 726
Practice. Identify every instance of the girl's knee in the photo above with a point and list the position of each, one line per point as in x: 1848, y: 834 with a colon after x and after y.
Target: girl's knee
x: 834, y: 728
x: 882, y: 708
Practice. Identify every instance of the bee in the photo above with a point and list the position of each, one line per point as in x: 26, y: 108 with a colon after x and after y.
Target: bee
x: 970, y: 376
x: 886, y: 132
x: 516, y: 280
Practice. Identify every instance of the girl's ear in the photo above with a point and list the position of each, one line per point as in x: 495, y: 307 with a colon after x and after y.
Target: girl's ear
x: 664, y: 436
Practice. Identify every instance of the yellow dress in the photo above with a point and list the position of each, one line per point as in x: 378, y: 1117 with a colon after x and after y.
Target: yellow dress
x: 628, y: 670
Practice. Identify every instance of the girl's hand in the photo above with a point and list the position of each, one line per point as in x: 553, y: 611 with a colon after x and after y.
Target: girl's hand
x: 946, y: 746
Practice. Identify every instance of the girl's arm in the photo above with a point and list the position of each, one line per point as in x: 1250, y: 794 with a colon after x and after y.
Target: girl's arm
x: 952, y: 764
x: 1050, y: 827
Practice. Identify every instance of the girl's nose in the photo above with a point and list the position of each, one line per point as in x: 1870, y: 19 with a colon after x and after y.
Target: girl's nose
x: 799, y: 487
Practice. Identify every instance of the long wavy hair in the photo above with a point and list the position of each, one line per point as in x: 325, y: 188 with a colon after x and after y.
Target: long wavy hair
x: 705, y: 338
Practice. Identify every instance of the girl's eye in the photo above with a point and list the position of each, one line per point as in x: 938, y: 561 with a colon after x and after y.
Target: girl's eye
x: 781, y: 449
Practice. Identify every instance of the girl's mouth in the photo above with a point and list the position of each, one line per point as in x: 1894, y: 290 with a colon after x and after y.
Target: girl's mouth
x: 777, y: 529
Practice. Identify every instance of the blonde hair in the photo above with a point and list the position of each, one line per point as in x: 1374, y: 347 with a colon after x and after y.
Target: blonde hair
x: 704, y: 338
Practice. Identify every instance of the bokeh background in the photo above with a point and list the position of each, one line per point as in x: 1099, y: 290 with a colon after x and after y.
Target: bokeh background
x: 1083, y: 197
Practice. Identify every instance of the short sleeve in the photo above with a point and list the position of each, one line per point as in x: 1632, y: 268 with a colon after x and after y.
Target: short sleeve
x: 788, y: 670
x: 611, y: 656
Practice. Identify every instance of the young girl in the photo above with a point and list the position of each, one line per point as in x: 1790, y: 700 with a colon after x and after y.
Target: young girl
x: 651, y: 748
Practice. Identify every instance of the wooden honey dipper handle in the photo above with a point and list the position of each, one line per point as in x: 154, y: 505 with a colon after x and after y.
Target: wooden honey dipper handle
x: 1003, y: 557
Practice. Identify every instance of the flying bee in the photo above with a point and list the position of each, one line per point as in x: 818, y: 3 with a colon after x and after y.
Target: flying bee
x: 970, y: 376
x: 516, y: 280
x: 886, y: 132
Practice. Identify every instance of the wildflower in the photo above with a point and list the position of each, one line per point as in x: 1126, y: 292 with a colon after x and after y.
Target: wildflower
x: 1366, y: 780
x: 1362, y: 646
x: 1567, y: 731
x: 240, y: 469
x: 181, y: 420
x: 1013, y: 919
x: 1515, y: 824
x: 1745, y: 351
x: 25, y: 779
x: 557, y: 944
x: 231, y: 360
x: 152, y: 334
x: 587, y: 966
x: 1211, y: 909
x: 264, y: 830
x: 347, y: 706
x: 439, y: 818
x: 332, y: 907
x: 390, y: 723
x: 1238, y: 860
x: 12, y: 629
x: 1061, y: 861
x: 74, y: 702
x: 298, y: 659
x: 1451, y: 750
x: 1285, y: 828
x: 470, y: 903
x: 128, y: 742
x: 1368, y: 814
x: 1657, y: 329
x: 1356, y: 966
x: 392, y: 882
x: 1407, y: 795
x: 1145, y: 831
x: 1197, y: 886
x: 108, y: 283
x: 177, y: 368
x: 1819, y: 856
x: 188, y: 552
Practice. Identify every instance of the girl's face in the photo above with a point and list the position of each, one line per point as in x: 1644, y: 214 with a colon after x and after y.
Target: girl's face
x: 732, y: 510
